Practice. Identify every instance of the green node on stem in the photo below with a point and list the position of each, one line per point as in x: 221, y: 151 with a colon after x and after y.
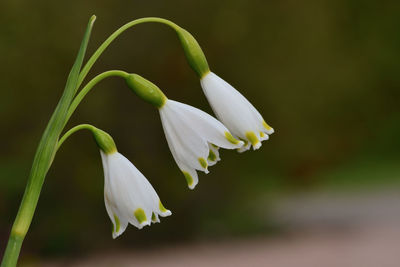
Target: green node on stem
x: 193, y: 52
x: 103, y: 140
x: 146, y: 90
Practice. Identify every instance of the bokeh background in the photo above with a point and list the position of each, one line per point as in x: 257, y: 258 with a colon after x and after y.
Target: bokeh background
x: 325, y: 74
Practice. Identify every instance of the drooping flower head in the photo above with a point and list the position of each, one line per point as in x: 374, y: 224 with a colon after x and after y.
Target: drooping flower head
x: 230, y: 106
x: 128, y: 195
x: 193, y: 136
x: 235, y: 111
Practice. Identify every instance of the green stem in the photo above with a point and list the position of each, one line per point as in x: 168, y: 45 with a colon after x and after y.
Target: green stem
x: 113, y: 36
x: 43, y: 158
x: 49, y: 142
x: 73, y: 130
x: 85, y: 90
x: 104, y: 141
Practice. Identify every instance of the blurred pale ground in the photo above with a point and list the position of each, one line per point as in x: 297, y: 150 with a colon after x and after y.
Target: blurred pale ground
x: 323, y: 191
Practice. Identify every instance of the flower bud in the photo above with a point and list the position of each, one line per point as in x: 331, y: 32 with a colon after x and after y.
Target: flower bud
x: 146, y: 90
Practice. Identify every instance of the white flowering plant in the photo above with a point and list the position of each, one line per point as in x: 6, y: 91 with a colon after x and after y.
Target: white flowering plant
x: 193, y: 136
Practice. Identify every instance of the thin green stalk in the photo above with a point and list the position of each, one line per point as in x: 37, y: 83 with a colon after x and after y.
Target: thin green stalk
x: 104, y: 141
x: 113, y: 36
x: 78, y: 98
x: 43, y: 158
x: 73, y: 130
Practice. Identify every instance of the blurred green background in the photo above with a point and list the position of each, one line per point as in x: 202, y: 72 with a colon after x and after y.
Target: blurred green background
x: 324, y: 74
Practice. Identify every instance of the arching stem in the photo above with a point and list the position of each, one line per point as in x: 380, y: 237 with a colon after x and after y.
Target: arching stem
x: 73, y: 130
x: 85, y: 90
x: 114, y: 35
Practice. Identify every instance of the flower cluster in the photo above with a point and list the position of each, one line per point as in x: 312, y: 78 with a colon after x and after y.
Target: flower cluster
x: 193, y: 136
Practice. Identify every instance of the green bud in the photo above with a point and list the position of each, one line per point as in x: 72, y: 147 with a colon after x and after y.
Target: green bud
x: 146, y: 90
x: 104, y: 141
x: 194, y: 55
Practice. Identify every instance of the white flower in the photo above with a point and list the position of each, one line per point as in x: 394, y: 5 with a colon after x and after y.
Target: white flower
x: 194, y: 137
x: 235, y: 111
x: 128, y: 196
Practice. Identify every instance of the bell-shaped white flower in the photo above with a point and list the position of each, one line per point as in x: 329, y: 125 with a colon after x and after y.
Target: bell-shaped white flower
x: 128, y: 196
x: 235, y: 111
x: 194, y: 138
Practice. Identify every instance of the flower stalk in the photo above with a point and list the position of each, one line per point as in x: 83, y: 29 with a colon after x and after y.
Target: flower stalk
x: 193, y: 52
x: 88, y: 87
x: 103, y: 140
x: 43, y: 159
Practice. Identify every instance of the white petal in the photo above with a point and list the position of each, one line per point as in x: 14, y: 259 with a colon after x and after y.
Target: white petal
x: 189, y: 132
x: 213, y: 156
x: 119, y: 230
x: 128, y: 195
x: 186, y: 144
x: 244, y: 148
x: 210, y: 128
x: 234, y: 110
x: 162, y: 211
x: 263, y: 136
x: 155, y: 219
x: 190, y: 174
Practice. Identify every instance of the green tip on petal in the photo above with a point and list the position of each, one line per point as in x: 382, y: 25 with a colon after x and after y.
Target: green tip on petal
x: 140, y: 215
x: 153, y: 217
x: 188, y: 178
x: 262, y: 134
x: 266, y: 126
x: 212, y: 156
x: 251, y: 136
x: 231, y: 139
x: 161, y: 207
x: 117, y: 224
x: 203, y: 163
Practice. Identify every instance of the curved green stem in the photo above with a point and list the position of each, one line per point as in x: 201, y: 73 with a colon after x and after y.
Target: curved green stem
x: 104, y: 141
x: 73, y: 130
x: 113, y: 36
x: 78, y: 98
